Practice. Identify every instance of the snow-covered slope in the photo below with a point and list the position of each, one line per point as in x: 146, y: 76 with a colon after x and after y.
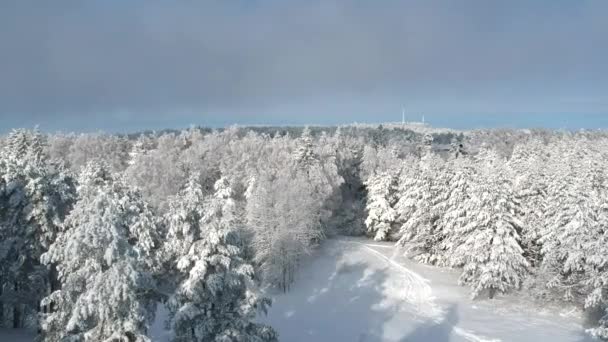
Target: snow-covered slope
x: 356, y: 290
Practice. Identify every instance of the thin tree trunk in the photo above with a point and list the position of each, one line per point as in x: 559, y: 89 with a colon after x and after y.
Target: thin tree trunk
x: 16, y: 311
x: 1, y: 304
x: 55, y: 284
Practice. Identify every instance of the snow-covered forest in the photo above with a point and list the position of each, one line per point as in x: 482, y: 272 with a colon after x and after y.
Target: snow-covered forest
x: 98, y: 231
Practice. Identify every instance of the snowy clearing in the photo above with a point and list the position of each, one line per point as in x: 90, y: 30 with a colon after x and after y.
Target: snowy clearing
x: 351, y: 290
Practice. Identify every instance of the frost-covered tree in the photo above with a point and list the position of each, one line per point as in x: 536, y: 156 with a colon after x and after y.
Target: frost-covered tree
x: 158, y: 170
x: 380, y: 201
x: 183, y: 220
x: 112, y: 149
x: 36, y: 197
x: 283, y: 216
x: 572, y: 242
x: 304, y: 154
x: 215, y: 299
x: 104, y: 258
x: 489, y: 248
x: 140, y: 147
x: 418, y: 208
x: 528, y: 164
x: 461, y: 178
x: 350, y: 216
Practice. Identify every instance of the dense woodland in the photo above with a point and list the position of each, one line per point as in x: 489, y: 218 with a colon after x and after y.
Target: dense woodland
x: 97, y: 230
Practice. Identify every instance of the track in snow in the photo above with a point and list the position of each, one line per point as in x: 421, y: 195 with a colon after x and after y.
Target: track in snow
x: 351, y: 290
x: 417, y: 291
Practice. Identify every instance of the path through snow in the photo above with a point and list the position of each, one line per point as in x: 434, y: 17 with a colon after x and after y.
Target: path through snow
x: 353, y: 290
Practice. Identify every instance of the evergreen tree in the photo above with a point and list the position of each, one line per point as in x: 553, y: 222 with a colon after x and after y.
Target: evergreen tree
x: 215, y: 300
x: 304, y: 154
x: 528, y: 164
x: 573, y: 249
x: 425, y: 190
x: 104, y: 258
x: 380, y: 201
x: 36, y: 199
x: 455, y: 207
x: 490, y: 249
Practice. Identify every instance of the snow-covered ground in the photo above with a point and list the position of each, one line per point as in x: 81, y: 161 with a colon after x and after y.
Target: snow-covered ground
x: 358, y: 290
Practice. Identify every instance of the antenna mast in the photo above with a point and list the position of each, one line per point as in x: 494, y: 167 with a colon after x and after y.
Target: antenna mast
x: 403, y: 115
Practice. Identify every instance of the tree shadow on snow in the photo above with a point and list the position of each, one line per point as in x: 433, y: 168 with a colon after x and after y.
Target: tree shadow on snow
x: 347, y: 306
x: 436, y: 331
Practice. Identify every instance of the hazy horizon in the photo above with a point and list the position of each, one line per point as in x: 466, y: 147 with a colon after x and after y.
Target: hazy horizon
x: 114, y: 66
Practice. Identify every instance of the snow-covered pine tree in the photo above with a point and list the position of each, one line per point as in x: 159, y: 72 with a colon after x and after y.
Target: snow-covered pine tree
x: 423, y: 193
x: 453, y: 218
x: 215, y: 300
x: 380, y: 201
x: 594, y: 254
x: 407, y: 193
x: 37, y: 197
x: 183, y: 221
x: 304, y: 154
x: 528, y: 164
x: 573, y: 248
x: 104, y: 258
x: 489, y: 248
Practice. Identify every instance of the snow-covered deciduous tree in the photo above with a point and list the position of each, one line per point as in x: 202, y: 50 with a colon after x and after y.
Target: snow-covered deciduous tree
x: 215, y: 299
x: 489, y: 249
x: 112, y: 149
x: 158, y: 170
x: 284, y: 217
x: 140, y: 147
x: 104, y: 258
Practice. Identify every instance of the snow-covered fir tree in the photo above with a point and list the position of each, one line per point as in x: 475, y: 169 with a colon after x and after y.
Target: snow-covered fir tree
x: 304, y: 154
x: 461, y: 178
x: 528, y: 164
x: 380, y: 201
x: 36, y: 197
x: 418, y: 208
x: 489, y: 249
x: 104, y: 258
x: 215, y: 299
x: 573, y: 252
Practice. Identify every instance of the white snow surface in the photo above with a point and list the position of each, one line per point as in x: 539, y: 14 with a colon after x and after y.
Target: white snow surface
x: 356, y: 290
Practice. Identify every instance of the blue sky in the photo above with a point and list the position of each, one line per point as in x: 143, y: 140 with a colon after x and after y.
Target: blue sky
x: 109, y: 65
